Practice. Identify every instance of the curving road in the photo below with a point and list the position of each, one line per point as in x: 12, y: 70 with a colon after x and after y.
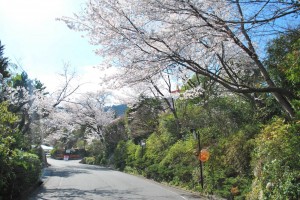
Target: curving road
x: 72, y: 180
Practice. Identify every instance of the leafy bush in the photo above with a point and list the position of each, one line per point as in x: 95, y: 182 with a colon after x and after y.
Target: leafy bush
x: 169, y: 124
x: 276, y: 162
x: 156, y: 147
x: 57, y: 153
x: 88, y: 160
x: 27, y: 168
x: 231, y: 134
x: 133, y: 154
x: 130, y: 170
x: 181, y: 161
x: 18, y: 170
x: 120, y: 155
x: 101, y: 159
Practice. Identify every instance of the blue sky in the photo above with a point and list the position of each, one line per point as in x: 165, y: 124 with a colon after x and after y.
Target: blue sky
x: 41, y: 45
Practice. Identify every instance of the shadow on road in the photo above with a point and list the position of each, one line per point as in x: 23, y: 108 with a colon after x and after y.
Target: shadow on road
x: 73, y: 170
x: 66, y: 172
x: 73, y: 193
x: 71, y: 180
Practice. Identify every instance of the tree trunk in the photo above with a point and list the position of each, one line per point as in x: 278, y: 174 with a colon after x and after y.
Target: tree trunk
x: 285, y: 104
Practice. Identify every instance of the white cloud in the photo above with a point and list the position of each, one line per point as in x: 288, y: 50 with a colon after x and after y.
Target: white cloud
x: 32, y: 13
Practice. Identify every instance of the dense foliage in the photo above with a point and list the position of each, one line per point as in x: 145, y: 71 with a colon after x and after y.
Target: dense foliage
x: 228, y: 138
x: 240, y: 94
x: 276, y: 161
x: 237, y: 100
x: 254, y: 148
x: 19, y: 170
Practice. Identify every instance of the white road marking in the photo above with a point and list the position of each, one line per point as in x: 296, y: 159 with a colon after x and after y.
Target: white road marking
x: 173, y: 192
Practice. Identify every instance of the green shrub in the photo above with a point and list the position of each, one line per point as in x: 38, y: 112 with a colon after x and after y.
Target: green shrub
x: 19, y: 173
x: 57, y: 153
x: 180, y: 162
x: 130, y: 170
x: 120, y: 155
x: 169, y: 124
x: 276, y: 161
x: 18, y: 170
x: 27, y: 168
x: 101, y: 159
x: 133, y: 154
x: 156, y: 147
x: 88, y: 160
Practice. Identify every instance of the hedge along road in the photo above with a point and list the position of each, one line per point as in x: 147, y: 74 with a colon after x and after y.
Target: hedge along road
x: 72, y: 180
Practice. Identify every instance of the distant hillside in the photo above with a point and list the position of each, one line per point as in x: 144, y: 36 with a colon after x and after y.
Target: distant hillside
x: 119, y: 109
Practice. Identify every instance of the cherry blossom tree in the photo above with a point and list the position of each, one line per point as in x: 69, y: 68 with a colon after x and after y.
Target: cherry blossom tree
x: 30, y: 105
x: 90, y: 111
x: 87, y: 111
x: 67, y: 88
x: 58, y: 115
x: 217, y: 39
x: 40, y: 113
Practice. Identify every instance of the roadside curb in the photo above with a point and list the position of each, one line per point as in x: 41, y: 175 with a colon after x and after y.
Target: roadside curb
x: 46, y: 172
x: 44, y: 177
x: 164, y: 184
x: 179, y: 189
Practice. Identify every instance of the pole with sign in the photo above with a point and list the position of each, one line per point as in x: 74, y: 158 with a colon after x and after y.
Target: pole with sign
x: 203, y: 155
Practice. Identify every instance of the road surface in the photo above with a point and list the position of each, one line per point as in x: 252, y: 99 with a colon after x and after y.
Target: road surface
x: 72, y: 180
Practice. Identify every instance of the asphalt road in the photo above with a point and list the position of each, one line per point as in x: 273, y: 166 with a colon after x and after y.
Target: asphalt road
x: 72, y: 180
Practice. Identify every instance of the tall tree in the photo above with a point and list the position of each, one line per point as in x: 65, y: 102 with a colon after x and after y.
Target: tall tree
x: 283, y: 60
x: 21, y: 95
x: 142, y: 117
x: 89, y: 111
x: 217, y: 39
x: 3, y: 63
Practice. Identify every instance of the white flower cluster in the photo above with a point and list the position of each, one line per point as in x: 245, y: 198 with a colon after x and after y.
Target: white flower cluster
x: 192, y: 93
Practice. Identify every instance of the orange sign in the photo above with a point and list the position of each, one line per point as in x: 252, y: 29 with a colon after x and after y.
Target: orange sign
x: 234, y: 191
x: 204, y: 155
